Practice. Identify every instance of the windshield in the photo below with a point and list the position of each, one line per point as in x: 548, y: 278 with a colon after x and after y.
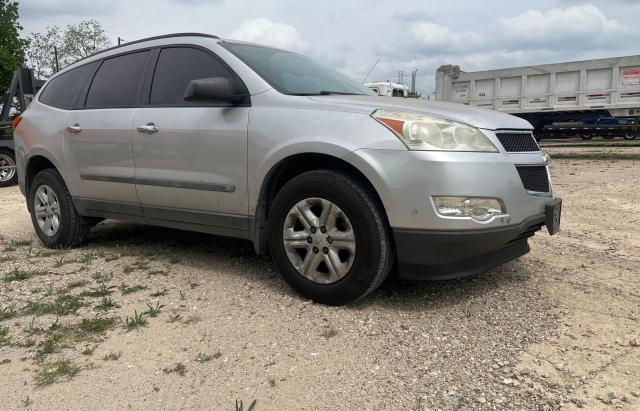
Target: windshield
x: 294, y: 74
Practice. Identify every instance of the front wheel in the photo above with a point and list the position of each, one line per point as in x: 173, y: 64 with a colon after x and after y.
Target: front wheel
x: 8, y: 175
x: 53, y: 214
x: 328, y: 237
x: 629, y: 136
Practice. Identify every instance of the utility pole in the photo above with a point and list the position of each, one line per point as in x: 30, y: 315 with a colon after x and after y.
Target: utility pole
x: 55, y: 57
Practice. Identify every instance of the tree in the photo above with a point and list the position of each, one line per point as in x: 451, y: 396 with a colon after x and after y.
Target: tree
x: 72, y: 43
x: 12, y: 47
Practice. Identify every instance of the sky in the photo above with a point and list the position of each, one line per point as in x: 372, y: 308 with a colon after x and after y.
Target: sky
x: 351, y: 35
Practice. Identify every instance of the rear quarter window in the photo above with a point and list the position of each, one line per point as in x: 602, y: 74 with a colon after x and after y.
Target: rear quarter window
x: 63, y: 91
x: 117, y: 82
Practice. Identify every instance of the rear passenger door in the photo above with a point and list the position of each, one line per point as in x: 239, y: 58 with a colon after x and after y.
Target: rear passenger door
x: 98, y: 136
x: 192, y: 165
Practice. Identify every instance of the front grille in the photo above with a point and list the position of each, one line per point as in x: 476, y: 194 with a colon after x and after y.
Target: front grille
x: 534, y: 178
x: 517, y: 142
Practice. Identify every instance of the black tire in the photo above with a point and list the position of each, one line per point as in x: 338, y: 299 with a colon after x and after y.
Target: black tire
x: 629, y: 136
x: 374, y: 254
x: 586, y: 137
x: 72, y: 231
x: 8, y: 156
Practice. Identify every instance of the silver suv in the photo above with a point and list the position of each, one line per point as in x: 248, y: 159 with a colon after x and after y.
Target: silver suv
x: 198, y: 133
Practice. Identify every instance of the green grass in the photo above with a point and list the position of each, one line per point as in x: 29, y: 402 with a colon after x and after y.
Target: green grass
x: 7, y: 313
x: 140, y: 265
x: 5, y: 339
x: 135, y: 322
x: 102, y: 290
x: 130, y: 289
x: 102, y: 277
x: 107, y: 304
x: 153, y: 311
x: 179, y: 369
x: 20, y: 243
x: 55, y: 371
x: 159, y: 293
x: 46, y: 348
x: 204, y: 357
x: 5, y: 258
x: 157, y: 272
x: 18, y: 274
x: 240, y: 406
x: 96, y: 325
x: 64, y: 304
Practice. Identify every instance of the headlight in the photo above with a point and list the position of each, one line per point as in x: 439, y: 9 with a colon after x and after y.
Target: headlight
x: 481, y: 209
x: 426, y: 133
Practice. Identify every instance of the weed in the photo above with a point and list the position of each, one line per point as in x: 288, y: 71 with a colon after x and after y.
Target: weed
x: 32, y: 329
x: 192, y: 284
x: 107, y: 304
x: 153, y: 311
x: 174, y: 260
x: 111, y: 257
x: 217, y: 355
x: 59, y: 262
x: 179, y: 369
x: 28, y: 343
x: 272, y: 382
x: 240, y: 406
x: 192, y: 319
x: 18, y: 274
x: 102, y: 290
x: 7, y: 313
x: 86, y: 259
x: 156, y: 294
x: 329, y: 332
x: 112, y: 356
x: 102, y: 277
x: 20, y: 243
x: 5, y: 361
x: 5, y: 339
x: 96, y: 325
x: 5, y: 258
x: 182, y: 296
x: 27, y: 402
x: 203, y: 357
x: 46, y: 347
x: 135, y: 322
x: 64, y: 304
x: 89, y: 349
x: 157, y: 272
x: 174, y: 317
x: 140, y: 265
x: 52, y: 372
x: 127, y: 289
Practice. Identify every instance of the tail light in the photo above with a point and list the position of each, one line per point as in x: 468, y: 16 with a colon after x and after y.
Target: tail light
x: 16, y: 121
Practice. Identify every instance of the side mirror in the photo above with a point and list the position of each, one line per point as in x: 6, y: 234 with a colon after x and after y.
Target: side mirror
x: 215, y: 89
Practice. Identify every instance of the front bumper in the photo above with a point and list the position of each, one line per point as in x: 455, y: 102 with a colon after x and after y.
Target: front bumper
x: 442, y: 255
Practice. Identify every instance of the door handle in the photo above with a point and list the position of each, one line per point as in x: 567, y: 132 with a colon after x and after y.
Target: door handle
x: 150, y: 128
x: 74, y: 128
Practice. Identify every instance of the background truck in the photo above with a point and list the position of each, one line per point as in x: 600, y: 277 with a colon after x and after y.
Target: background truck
x: 576, y: 99
x: 20, y: 93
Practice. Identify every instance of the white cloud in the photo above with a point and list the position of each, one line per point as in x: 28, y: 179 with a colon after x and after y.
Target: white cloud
x: 554, y: 28
x: 264, y: 31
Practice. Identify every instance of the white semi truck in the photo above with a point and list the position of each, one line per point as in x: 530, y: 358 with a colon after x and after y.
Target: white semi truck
x: 582, y: 98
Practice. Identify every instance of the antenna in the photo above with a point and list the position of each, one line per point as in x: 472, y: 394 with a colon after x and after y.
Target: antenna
x: 370, y: 70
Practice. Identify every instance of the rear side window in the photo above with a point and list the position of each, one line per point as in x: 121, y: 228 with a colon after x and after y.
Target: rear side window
x: 176, y: 67
x: 62, y: 91
x: 118, y: 81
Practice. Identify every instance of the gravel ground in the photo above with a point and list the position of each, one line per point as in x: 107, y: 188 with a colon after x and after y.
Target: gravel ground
x: 557, y: 328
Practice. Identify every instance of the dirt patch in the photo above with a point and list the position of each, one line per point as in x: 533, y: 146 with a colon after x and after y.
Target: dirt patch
x: 145, y: 317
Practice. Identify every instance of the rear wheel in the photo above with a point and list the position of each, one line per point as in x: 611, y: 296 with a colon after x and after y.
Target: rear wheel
x: 629, y: 136
x: 53, y: 215
x: 8, y: 174
x: 329, y: 238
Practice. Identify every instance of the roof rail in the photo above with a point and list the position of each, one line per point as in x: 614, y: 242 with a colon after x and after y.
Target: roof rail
x: 164, y: 36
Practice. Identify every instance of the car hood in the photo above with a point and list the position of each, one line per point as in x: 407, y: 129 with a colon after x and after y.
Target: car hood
x: 474, y: 116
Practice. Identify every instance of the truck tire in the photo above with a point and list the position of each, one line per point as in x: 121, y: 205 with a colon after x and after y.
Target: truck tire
x: 586, y: 137
x: 53, y: 214
x: 8, y: 172
x: 629, y: 136
x: 329, y: 238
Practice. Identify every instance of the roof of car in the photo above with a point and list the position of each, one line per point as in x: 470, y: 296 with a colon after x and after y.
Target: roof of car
x: 164, y: 36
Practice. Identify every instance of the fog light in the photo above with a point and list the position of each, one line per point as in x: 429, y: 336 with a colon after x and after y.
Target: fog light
x: 481, y: 209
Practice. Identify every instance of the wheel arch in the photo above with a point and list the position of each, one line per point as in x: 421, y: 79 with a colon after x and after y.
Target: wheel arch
x: 34, y: 165
x: 288, y: 168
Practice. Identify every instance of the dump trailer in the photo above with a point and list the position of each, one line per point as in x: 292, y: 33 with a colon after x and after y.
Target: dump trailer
x: 21, y: 91
x: 576, y: 99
